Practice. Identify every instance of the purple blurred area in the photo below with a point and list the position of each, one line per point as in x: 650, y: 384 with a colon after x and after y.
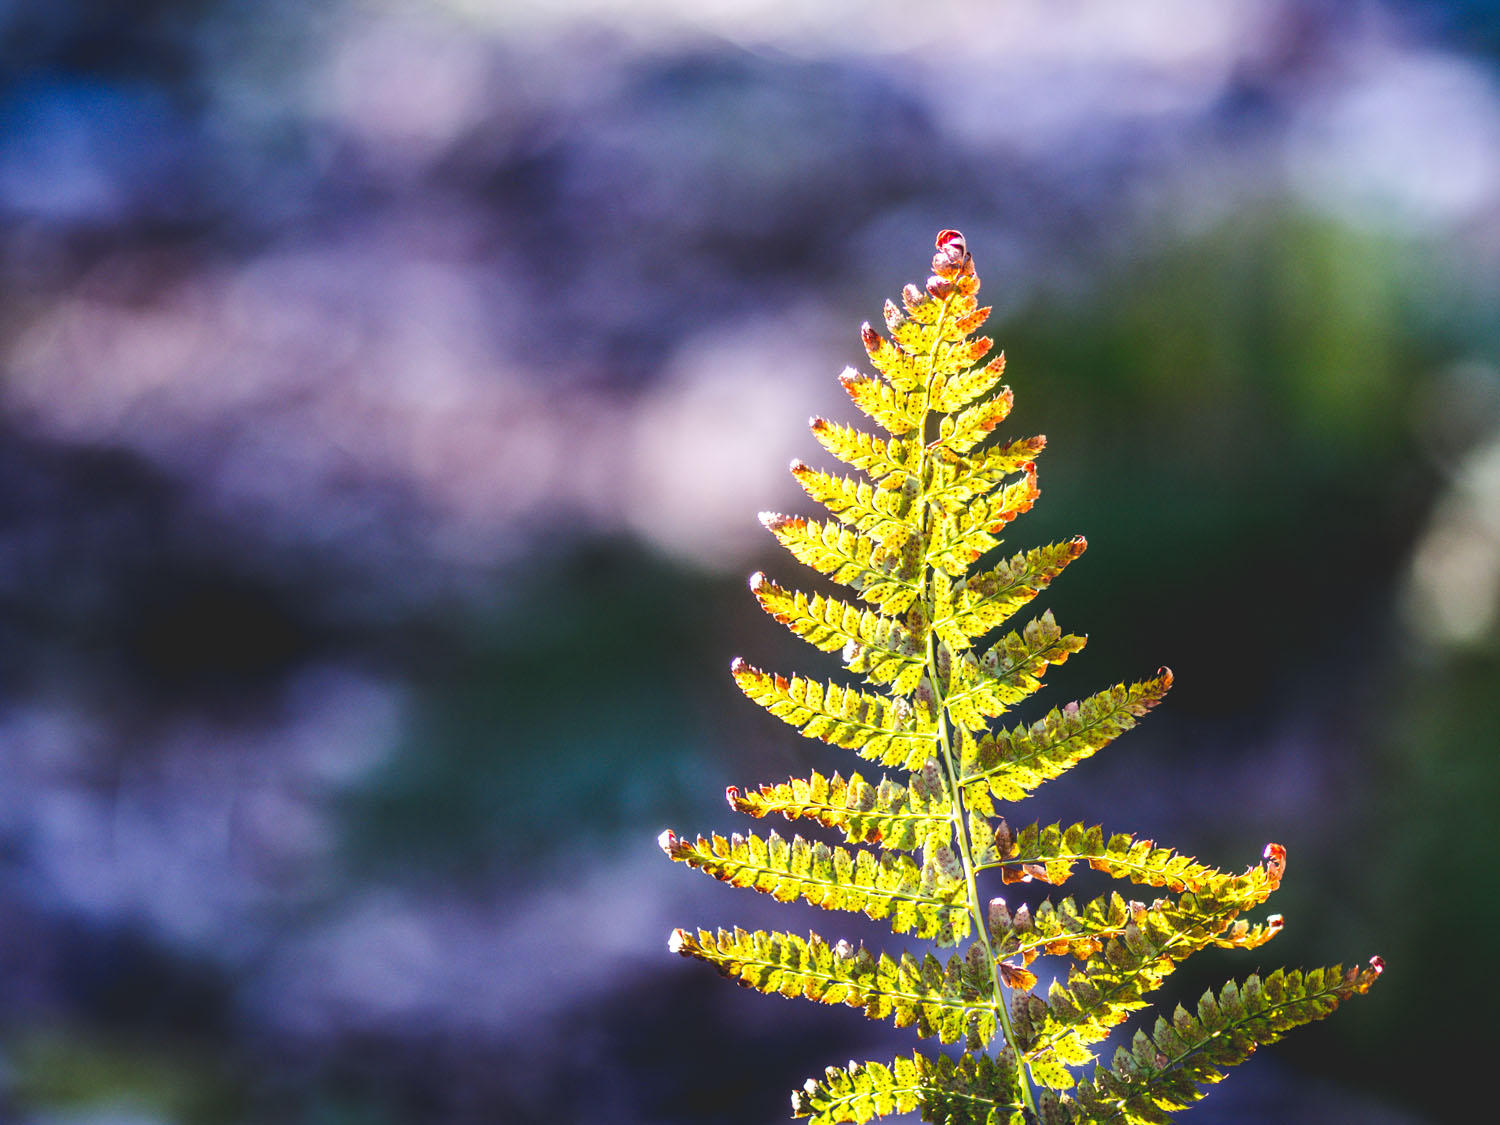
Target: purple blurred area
x: 388, y: 390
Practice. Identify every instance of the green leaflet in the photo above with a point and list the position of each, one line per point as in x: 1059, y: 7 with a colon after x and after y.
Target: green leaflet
x: 1011, y: 763
x: 977, y: 690
x: 948, y: 1001
x: 881, y: 729
x: 920, y: 899
x: 974, y: 1090
x: 883, y: 577
x: 889, y: 463
x: 889, y: 814
x: 970, y: 607
x: 928, y: 669
x: 888, y: 650
x: 1163, y: 1071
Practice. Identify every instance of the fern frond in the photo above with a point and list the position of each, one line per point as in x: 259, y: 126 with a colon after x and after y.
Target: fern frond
x: 972, y: 1090
x: 948, y: 1001
x: 969, y: 608
x: 1162, y: 1072
x: 1012, y: 763
x: 905, y: 537
x: 924, y: 900
x: 889, y: 814
x: 891, y: 732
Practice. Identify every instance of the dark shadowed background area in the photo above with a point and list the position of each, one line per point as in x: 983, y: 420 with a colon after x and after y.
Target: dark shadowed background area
x: 387, y: 393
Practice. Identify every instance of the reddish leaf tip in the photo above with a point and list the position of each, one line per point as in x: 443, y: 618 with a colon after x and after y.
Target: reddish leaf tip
x: 757, y: 580
x: 667, y: 841
x: 732, y: 795
x: 798, y: 465
x: 677, y: 941
x: 818, y: 423
x: 1378, y: 964
x: 738, y: 665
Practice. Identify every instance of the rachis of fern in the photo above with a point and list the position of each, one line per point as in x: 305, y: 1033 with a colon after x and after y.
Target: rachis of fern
x: 927, y: 629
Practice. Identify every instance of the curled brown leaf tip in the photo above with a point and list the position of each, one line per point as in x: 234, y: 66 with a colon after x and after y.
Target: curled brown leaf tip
x: 738, y: 665
x: 939, y: 287
x: 1377, y: 963
x: 757, y: 580
x: 1275, y: 856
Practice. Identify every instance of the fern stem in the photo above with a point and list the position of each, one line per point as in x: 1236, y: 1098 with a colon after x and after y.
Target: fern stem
x: 950, y: 766
x: 976, y: 910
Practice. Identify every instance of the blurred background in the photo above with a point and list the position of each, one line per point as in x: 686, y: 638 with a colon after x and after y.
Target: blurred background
x: 388, y: 390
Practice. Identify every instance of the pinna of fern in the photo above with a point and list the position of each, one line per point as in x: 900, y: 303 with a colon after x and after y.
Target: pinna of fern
x: 929, y: 630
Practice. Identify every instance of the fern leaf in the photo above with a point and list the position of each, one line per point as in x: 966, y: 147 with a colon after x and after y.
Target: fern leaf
x: 1050, y: 853
x: 957, y: 481
x: 884, y: 649
x: 1163, y: 1072
x: 936, y: 495
x: 970, y: 608
x: 898, y: 362
x: 978, y: 690
x: 889, y: 463
x: 949, y: 1002
x: 892, y: 410
x: 1103, y: 991
x: 889, y: 814
x: 958, y: 390
x: 916, y: 899
x: 972, y: 1090
x: 888, y: 731
x: 881, y: 513
x: 879, y: 575
x: 1012, y: 763
x: 1080, y: 932
x: 961, y: 432
x: 958, y: 541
